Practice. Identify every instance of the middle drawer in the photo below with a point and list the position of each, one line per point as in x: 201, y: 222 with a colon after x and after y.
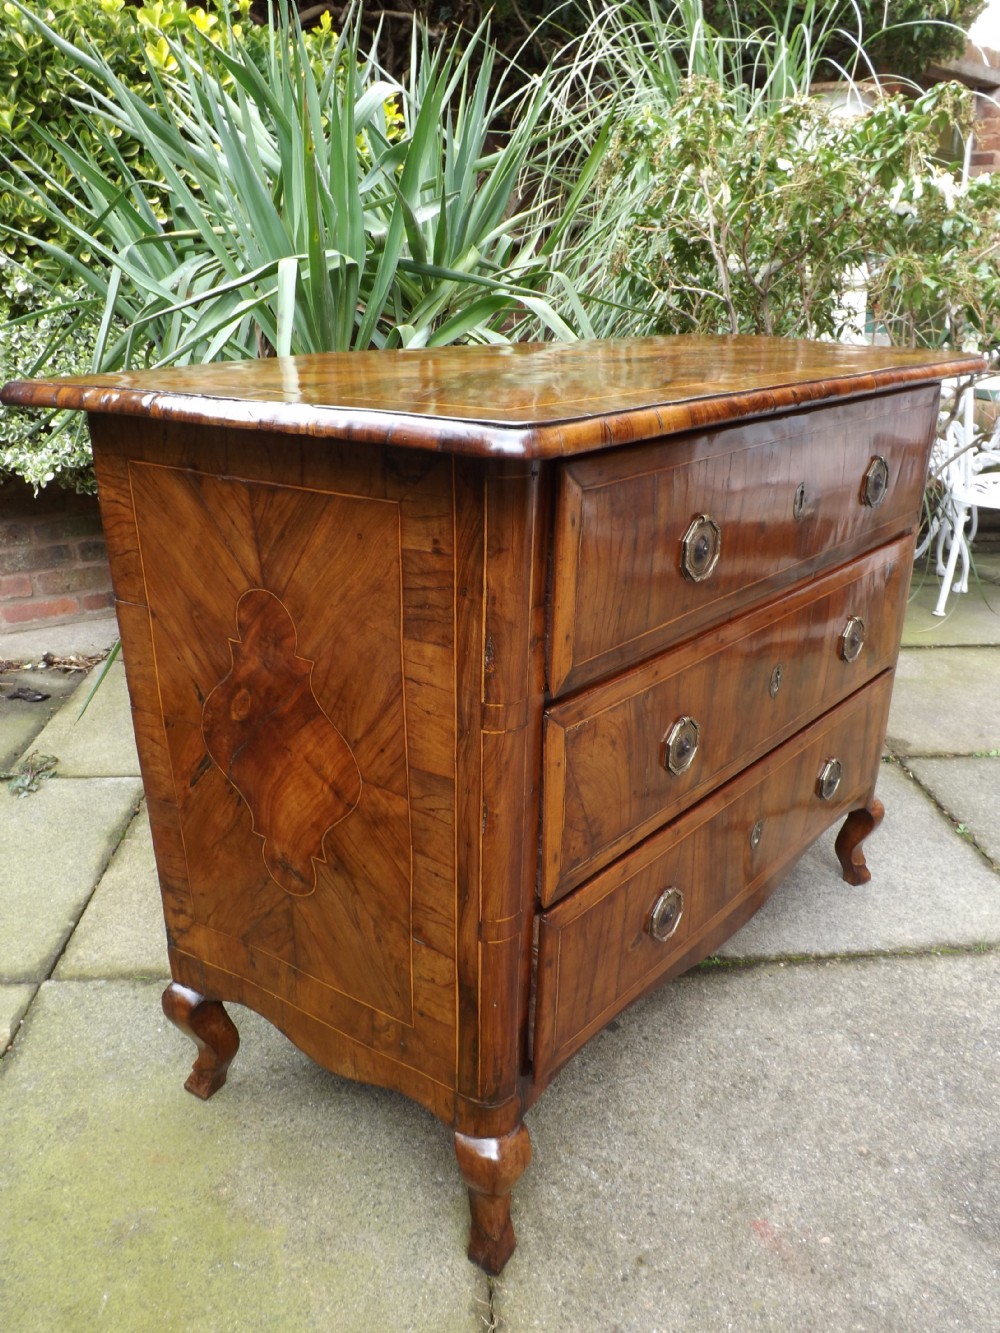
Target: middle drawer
x: 622, y: 758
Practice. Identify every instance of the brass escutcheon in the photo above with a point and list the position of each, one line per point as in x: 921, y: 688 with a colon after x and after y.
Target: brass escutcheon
x: 666, y: 914
x: 875, y: 487
x: 799, y: 503
x: 680, y: 745
x: 852, y: 639
x: 774, y: 684
x: 828, y: 780
x: 756, y: 833
x: 700, y: 548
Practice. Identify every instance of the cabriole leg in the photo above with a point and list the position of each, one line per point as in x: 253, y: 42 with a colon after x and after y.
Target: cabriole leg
x: 212, y: 1031
x: 490, y: 1168
x: 857, y: 826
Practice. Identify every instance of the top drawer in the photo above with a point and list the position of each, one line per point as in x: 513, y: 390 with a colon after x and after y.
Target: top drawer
x: 785, y: 495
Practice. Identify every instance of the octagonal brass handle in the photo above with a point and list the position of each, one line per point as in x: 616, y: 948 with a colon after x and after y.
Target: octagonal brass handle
x: 828, y: 780
x: 875, y: 486
x: 852, y: 639
x: 700, y: 548
x: 680, y: 745
x: 666, y: 914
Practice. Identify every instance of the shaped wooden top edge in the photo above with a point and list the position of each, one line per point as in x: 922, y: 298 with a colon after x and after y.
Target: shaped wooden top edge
x: 540, y: 400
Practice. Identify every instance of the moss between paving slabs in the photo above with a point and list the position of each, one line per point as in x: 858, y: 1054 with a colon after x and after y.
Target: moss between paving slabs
x: 293, y: 1200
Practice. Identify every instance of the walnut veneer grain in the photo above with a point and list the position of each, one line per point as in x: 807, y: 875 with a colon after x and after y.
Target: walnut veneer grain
x: 374, y: 605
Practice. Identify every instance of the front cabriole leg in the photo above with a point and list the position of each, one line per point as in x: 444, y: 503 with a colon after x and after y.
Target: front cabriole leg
x: 858, y: 825
x: 490, y: 1168
x: 212, y: 1031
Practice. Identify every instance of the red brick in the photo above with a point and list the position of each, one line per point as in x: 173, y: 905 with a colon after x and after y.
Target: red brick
x: 90, y: 552
x: 28, y: 611
x: 97, y: 601
x: 66, y: 525
x: 15, y: 585
x: 26, y: 559
x: 72, y: 580
x: 14, y: 534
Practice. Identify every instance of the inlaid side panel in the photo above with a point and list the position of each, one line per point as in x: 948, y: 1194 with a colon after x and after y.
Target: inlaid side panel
x: 299, y: 642
x: 277, y: 634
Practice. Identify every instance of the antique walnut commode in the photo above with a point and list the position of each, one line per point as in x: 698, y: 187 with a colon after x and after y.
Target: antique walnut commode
x: 478, y: 690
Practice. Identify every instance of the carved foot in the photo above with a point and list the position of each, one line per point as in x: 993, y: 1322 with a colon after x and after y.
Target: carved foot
x: 212, y: 1031
x: 857, y: 826
x: 490, y: 1167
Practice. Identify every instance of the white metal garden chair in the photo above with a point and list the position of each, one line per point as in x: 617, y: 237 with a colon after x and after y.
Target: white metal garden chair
x: 970, y: 478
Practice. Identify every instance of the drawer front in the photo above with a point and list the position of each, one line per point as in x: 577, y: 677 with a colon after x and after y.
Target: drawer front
x: 596, y: 952
x: 774, y: 500
x: 622, y: 758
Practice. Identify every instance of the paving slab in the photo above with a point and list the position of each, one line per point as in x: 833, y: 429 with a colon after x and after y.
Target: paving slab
x: 54, y: 845
x: 14, y: 1000
x: 929, y: 889
x: 772, y: 1148
x: 945, y: 701
x: 292, y: 1200
x: 121, y: 932
x: 101, y: 742
x: 971, y: 618
x: 969, y: 789
x: 81, y: 636
x: 20, y: 719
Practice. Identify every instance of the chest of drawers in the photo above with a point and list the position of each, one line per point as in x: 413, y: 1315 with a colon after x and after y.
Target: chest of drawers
x: 477, y: 691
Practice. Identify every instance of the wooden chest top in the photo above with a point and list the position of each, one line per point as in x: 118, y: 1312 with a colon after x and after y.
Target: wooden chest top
x: 519, y: 401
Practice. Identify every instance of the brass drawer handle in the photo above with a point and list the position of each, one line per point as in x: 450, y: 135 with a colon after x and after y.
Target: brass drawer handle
x: 852, y: 639
x: 828, y: 780
x: 700, y: 548
x: 875, y: 487
x: 666, y: 915
x: 680, y: 745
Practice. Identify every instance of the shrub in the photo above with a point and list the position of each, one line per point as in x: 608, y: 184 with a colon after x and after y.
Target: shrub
x: 37, y: 87
x: 727, y: 205
x: 903, y: 38
x: 287, y: 210
x: 61, y: 341
x: 295, y: 212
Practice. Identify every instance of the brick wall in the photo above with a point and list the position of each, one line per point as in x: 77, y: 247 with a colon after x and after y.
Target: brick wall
x: 53, y: 565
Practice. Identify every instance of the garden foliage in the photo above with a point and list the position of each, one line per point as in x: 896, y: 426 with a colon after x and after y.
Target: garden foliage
x: 899, y: 37
x: 746, y: 205
x: 180, y: 185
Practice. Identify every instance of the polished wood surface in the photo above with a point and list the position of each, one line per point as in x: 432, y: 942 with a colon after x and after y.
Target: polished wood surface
x: 621, y: 518
x: 749, y: 685
x: 527, y: 400
x: 408, y: 639
x: 491, y: 1167
x: 358, y: 557
x: 213, y: 1032
x: 858, y: 826
x: 267, y: 732
x: 713, y: 856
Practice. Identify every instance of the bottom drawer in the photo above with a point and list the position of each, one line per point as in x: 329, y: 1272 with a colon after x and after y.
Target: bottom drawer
x: 698, y: 879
